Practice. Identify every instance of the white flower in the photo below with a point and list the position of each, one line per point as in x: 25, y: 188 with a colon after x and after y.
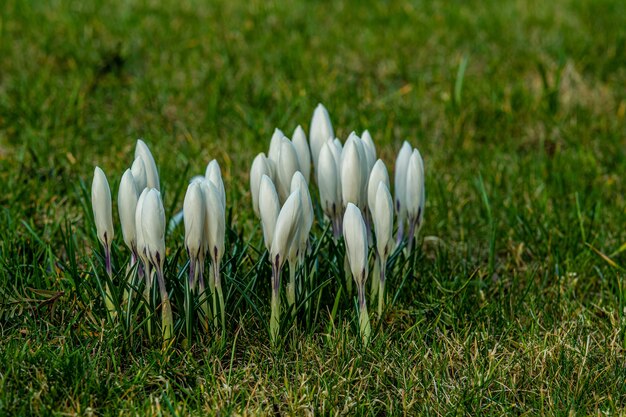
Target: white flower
x: 153, y: 227
x: 215, y: 221
x: 328, y: 181
x: 269, y: 207
x: 379, y: 174
x: 194, y: 218
x: 275, y: 143
x: 127, y: 197
x: 370, y: 149
x: 138, y: 170
x: 101, y: 205
x: 415, y: 193
x: 298, y: 182
x: 152, y: 175
x: 383, y: 221
x: 351, y: 174
x: 214, y: 175
x: 302, y: 149
x: 355, y: 235
x: 320, y: 131
x: 402, y: 165
x: 287, y: 166
x: 142, y: 250
x: 286, y: 231
x: 259, y: 168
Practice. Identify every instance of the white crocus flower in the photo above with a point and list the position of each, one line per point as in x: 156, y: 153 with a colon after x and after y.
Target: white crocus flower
x: 214, y: 175
x: 127, y: 197
x: 102, y: 211
x: 365, y: 170
x: 259, y: 168
x: 302, y: 149
x: 153, y: 227
x: 269, y: 208
x: 194, y: 217
x: 402, y: 165
x: 329, y: 187
x: 285, y: 236
x: 351, y: 174
x: 320, y: 131
x: 383, y: 229
x: 287, y: 166
x: 275, y: 144
x: 152, y: 175
x: 370, y: 149
x: 298, y: 248
x: 355, y: 236
x: 415, y: 195
x: 379, y: 174
x: 142, y: 250
x: 138, y: 169
x: 103, y: 217
x: 216, y: 233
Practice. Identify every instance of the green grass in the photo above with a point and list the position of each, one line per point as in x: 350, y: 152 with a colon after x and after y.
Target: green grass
x: 517, y: 301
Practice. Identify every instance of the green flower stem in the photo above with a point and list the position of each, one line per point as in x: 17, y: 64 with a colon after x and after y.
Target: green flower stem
x: 220, y: 295
x: 204, y: 305
x: 147, y: 291
x: 108, y: 300
x: 166, y: 309
x: 375, y: 277
x: 128, y: 291
x: 275, y: 315
x: 291, y: 286
x: 347, y: 274
x: 364, y: 318
x: 382, y: 267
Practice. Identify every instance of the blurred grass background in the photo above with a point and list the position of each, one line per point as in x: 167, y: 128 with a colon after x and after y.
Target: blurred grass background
x: 518, y: 108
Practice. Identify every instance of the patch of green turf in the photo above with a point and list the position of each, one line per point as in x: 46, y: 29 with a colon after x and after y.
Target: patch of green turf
x: 516, y: 304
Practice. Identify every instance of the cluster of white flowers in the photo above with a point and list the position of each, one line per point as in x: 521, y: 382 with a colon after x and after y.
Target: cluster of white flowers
x: 354, y: 195
x: 142, y: 218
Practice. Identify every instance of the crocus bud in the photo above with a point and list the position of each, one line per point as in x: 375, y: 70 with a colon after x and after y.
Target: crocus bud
x: 101, y: 205
x: 328, y: 182
x: 355, y: 235
x: 415, y: 195
x: 298, y: 182
x: 287, y: 166
x: 321, y: 130
x: 302, y: 149
x: 259, y: 168
x: 214, y: 174
x: 142, y: 250
x: 127, y: 197
x: 152, y: 175
x: 287, y: 227
x: 194, y: 217
x: 269, y: 207
x: 275, y: 143
x: 383, y: 220
x: 336, y: 148
x: 351, y: 174
x: 138, y: 170
x: 216, y: 222
x: 402, y: 164
x: 370, y: 149
x: 153, y: 227
x: 379, y: 174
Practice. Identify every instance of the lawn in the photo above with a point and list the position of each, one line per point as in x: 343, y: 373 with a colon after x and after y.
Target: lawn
x: 514, y: 302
